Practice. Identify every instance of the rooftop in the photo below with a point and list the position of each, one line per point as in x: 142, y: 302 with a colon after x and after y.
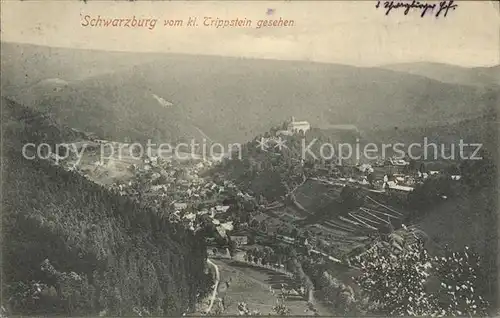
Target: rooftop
x: 342, y: 127
x: 401, y: 188
x: 299, y: 123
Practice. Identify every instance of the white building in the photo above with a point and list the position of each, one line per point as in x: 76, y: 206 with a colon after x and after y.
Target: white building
x: 240, y: 240
x: 298, y: 126
x: 398, y: 162
x: 222, y: 208
x: 394, y: 186
x: 180, y: 205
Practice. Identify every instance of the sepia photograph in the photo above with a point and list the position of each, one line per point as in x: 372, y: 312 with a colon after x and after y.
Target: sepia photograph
x: 249, y: 158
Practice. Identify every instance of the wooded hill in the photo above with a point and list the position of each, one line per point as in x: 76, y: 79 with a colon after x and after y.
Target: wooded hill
x: 229, y: 99
x: 71, y: 247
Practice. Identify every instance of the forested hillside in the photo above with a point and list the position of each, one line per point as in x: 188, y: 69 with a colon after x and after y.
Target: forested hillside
x: 477, y: 76
x: 481, y: 129
x: 71, y: 247
x: 272, y: 172
x: 112, y: 94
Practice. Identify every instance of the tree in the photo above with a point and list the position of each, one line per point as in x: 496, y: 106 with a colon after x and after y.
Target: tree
x: 281, y: 309
x: 459, y: 292
x: 251, y: 240
x: 243, y: 310
x: 24, y: 294
x: 263, y: 227
x: 479, y: 173
x: 411, y: 167
x: 422, y: 168
x: 248, y: 256
x: 370, y: 178
x: 307, y: 234
x: 254, y: 224
x: 267, y: 253
x: 398, y: 283
x: 232, y: 247
x: 453, y: 169
x: 350, y: 197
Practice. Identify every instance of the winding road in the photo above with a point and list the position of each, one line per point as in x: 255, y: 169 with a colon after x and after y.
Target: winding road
x: 216, y: 285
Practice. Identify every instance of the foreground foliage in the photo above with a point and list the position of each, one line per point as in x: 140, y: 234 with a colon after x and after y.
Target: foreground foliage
x: 412, y: 283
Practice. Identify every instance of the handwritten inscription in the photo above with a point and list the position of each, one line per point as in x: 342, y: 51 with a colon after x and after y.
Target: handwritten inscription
x: 437, y: 9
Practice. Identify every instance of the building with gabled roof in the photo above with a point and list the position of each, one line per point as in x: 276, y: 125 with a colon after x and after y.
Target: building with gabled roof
x: 298, y: 126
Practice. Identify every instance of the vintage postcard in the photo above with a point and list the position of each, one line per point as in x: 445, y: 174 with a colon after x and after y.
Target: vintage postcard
x: 226, y: 158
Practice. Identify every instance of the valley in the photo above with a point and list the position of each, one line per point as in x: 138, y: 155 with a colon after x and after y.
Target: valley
x: 261, y: 244
x: 110, y: 230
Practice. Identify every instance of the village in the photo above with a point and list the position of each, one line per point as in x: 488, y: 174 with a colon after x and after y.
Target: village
x: 195, y: 198
x: 316, y: 218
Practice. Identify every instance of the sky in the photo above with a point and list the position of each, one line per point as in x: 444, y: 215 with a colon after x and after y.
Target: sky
x: 347, y: 32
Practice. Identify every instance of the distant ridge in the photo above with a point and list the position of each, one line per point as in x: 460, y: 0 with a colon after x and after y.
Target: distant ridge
x: 447, y: 73
x: 229, y: 99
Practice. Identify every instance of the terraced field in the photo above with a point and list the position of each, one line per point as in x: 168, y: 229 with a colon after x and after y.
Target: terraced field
x: 343, y: 229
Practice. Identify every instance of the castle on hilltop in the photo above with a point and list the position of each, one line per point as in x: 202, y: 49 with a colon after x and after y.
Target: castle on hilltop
x: 295, y: 127
x: 298, y: 126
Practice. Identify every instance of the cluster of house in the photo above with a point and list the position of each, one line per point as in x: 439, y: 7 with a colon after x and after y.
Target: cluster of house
x: 213, y: 211
x: 167, y: 178
x: 193, y: 199
x: 193, y: 218
x: 397, y: 181
x: 407, y: 183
